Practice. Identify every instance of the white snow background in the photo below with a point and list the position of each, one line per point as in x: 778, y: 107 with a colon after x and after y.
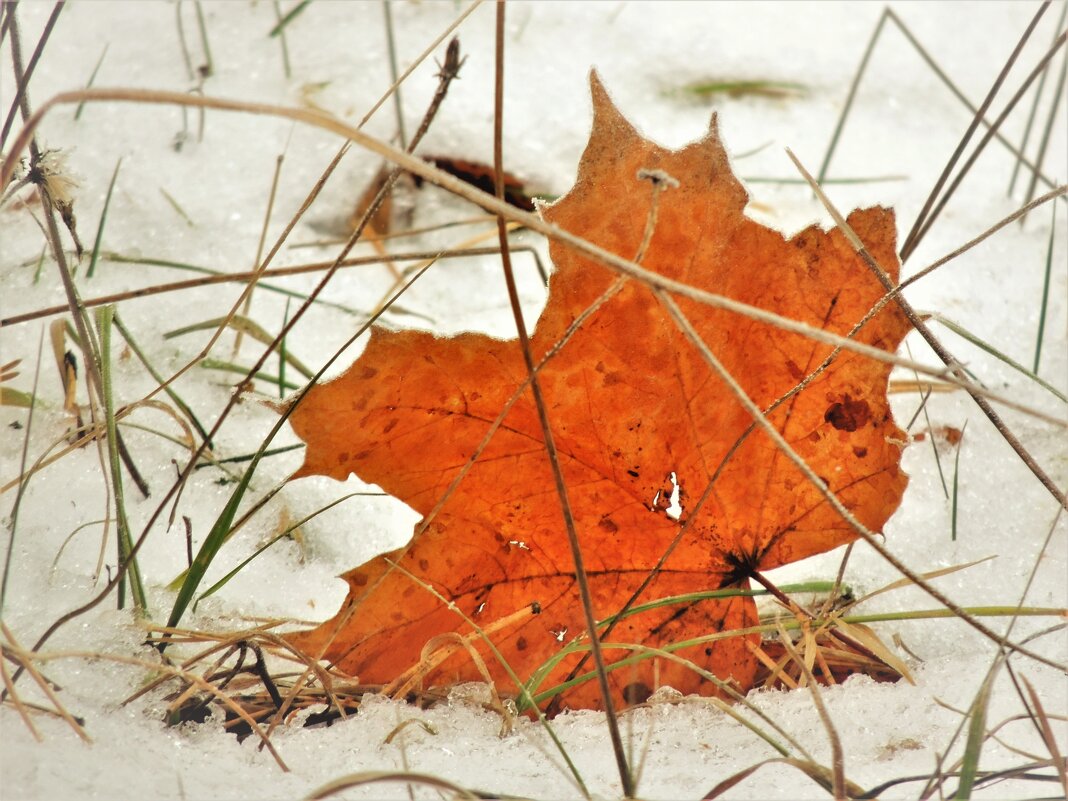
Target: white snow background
x: 904, y: 123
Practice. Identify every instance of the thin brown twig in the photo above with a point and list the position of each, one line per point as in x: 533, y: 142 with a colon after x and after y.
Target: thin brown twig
x: 837, y: 754
x: 1058, y: 96
x: 1019, y: 214
x: 270, y: 272
x: 888, y: 14
x: 279, y: 160
x: 925, y: 224
x: 9, y: 689
x: 581, y: 579
x: 915, y: 234
x: 23, y: 83
x: 25, y: 660
x: 1026, y: 136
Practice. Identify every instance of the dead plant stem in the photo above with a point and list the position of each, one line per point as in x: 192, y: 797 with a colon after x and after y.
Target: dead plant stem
x: 919, y: 225
x: 929, y: 220
x: 581, y: 579
x: 837, y: 754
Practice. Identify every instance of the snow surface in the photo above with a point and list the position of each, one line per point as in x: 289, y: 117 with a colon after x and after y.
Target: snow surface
x: 904, y: 123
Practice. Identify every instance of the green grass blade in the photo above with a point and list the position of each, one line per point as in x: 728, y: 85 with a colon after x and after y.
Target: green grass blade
x: 40, y: 266
x: 177, y: 207
x: 974, y: 745
x: 538, y: 676
x: 790, y: 624
x: 282, y: 354
x: 229, y: 367
x: 248, y: 457
x: 997, y: 354
x: 13, y: 525
x: 103, y: 219
x: 218, y: 585
x: 248, y: 327
x: 1045, y: 293
x: 776, y: 90
x: 104, y: 316
x: 286, y: 66
x: 208, y: 68
x: 290, y: 15
x: 119, y: 258
x: 693, y: 597
x: 92, y: 79
x: 930, y: 430
x: 183, y: 407
x: 211, y: 545
x: 956, y: 477
x: 872, y: 179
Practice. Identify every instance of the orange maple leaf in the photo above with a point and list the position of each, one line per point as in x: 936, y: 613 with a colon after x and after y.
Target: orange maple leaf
x: 633, y: 407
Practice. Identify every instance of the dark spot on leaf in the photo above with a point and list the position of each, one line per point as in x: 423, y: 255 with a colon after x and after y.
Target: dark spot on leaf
x: 390, y: 425
x: 636, y: 693
x: 848, y: 414
x: 424, y: 564
x: 369, y: 372
x: 358, y: 579
x: 860, y: 453
x: 521, y: 644
x: 633, y: 473
x: 607, y: 524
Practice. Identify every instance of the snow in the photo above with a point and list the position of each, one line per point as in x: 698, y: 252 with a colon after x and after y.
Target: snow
x: 904, y: 123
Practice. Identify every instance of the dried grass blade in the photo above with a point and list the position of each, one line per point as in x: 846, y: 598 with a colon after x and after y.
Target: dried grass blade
x: 1050, y: 740
x: 904, y: 582
x: 379, y: 776
x: 866, y: 637
x: 25, y: 659
x: 818, y: 773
